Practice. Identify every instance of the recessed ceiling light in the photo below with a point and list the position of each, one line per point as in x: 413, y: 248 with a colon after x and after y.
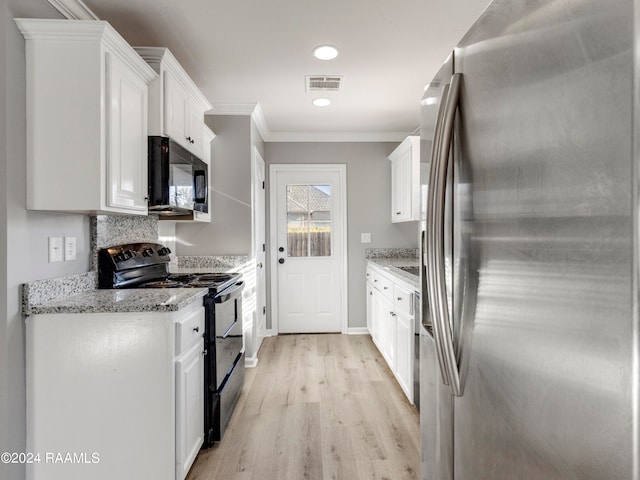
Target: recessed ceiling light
x: 321, y: 102
x: 325, y: 52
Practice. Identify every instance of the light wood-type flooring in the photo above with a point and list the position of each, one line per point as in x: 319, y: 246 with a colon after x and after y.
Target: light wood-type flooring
x: 317, y: 407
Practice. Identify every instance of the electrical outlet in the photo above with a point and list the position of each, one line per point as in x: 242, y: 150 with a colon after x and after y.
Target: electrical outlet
x: 55, y: 249
x: 69, y: 248
x: 365, y: 238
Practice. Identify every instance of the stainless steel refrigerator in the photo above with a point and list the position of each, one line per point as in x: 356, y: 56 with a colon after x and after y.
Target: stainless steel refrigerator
x: 530, y: 241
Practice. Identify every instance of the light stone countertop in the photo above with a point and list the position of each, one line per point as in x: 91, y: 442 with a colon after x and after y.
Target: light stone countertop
x: 78, y: 293
x: 391, y: 264
x: 123, y: 301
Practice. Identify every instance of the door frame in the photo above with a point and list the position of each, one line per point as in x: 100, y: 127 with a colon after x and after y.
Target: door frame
x: 258, y: 165
x: 274, y: 169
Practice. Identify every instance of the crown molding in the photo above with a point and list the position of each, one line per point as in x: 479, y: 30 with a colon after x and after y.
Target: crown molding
x: 255, y: 110
x: 233, y: 108
x: 337, y: 137
x: 73, y: 9
x: 261, y: 123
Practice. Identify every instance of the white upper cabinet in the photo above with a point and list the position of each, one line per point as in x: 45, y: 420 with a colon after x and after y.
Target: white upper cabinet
x: 86, y: 118
x: 405, y: 181
x: 176, y: 104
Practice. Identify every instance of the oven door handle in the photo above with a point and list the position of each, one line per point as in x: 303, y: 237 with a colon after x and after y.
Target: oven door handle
x: 227, y: 292
x: 228, y: 332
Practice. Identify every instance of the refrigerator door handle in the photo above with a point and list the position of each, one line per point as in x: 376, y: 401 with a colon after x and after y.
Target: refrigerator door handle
x: 429, y: 252
x: 442, y: 320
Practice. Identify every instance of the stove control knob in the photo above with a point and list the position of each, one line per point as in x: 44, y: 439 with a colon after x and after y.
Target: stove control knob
x: 127, y: 254
x: 147, y: 252
x: 164, y: 251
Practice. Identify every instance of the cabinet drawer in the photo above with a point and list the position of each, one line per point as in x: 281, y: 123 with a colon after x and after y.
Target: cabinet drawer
x: 383, y: 284
x: 189, y: 329
x: 403, y: 299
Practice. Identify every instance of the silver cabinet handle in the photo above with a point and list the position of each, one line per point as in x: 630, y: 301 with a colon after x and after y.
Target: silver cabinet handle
x: 442, y: 320
x: 431, y: 302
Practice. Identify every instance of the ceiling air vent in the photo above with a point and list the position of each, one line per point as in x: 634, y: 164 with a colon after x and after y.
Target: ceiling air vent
x: 323, y: 83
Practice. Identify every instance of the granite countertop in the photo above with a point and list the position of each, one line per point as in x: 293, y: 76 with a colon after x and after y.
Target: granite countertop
x: 122, y: 301
x: 78, y: 293
x: 392, y: 264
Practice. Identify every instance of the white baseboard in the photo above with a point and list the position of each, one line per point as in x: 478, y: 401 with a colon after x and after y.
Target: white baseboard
x: 357, y: 331
x: 251, y: 362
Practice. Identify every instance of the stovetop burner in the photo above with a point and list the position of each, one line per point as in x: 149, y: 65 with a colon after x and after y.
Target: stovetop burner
x: 215, y: 281
x: 145, y: 265
x: 162, y: 284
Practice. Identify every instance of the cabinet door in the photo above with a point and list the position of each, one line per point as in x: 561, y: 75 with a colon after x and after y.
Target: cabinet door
x: 378, y: 313
x: 404, y: 353
x: 370, y: 308
x: 195, y: 129
x: 189, y: 408
x: 389, y: 340
x: 401, y: 188
x: 396, y: 191
x: 383, y: 325
x: 176, y: 111
x: 126, y: 138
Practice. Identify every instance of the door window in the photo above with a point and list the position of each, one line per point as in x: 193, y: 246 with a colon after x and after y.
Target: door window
x: 309, y: 220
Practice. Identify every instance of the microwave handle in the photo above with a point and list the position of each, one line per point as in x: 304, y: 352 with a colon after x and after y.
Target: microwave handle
x: 197, y: 175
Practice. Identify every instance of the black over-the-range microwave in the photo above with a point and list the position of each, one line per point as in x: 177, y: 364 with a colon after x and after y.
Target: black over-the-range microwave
x: 177, y: 179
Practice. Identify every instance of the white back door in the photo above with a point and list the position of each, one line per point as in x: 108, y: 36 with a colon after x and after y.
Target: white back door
x: 308, y: 241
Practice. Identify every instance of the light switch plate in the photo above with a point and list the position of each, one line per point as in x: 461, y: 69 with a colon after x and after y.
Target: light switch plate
x: 69, y: 248
x: 55, y: 249
x: 365, y: 238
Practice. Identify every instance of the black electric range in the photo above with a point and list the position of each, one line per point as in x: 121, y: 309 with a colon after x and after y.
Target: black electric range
x: 145, y: 265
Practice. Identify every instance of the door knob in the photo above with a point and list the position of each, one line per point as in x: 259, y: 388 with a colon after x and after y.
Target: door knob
x: 259, y: 265
x: 281, y: 260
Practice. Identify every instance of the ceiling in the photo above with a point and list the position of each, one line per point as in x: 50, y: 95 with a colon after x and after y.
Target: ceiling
x: 247, y: 52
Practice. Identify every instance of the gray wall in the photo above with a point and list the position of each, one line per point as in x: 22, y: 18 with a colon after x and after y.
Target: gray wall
x: 24, y: 247
x: 368, y: 204
x: 229, y: 232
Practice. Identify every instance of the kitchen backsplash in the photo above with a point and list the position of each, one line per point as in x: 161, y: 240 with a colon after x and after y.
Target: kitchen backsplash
x: 208, y: 262
x: 43, y: 292
x: 109, y: 230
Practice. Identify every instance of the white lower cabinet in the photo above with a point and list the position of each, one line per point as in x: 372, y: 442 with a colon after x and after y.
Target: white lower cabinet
x: 370, y: 308
x: 112, y: 396
x: 404, y: 352
x: 189, y: 408
x: 390, y: 319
